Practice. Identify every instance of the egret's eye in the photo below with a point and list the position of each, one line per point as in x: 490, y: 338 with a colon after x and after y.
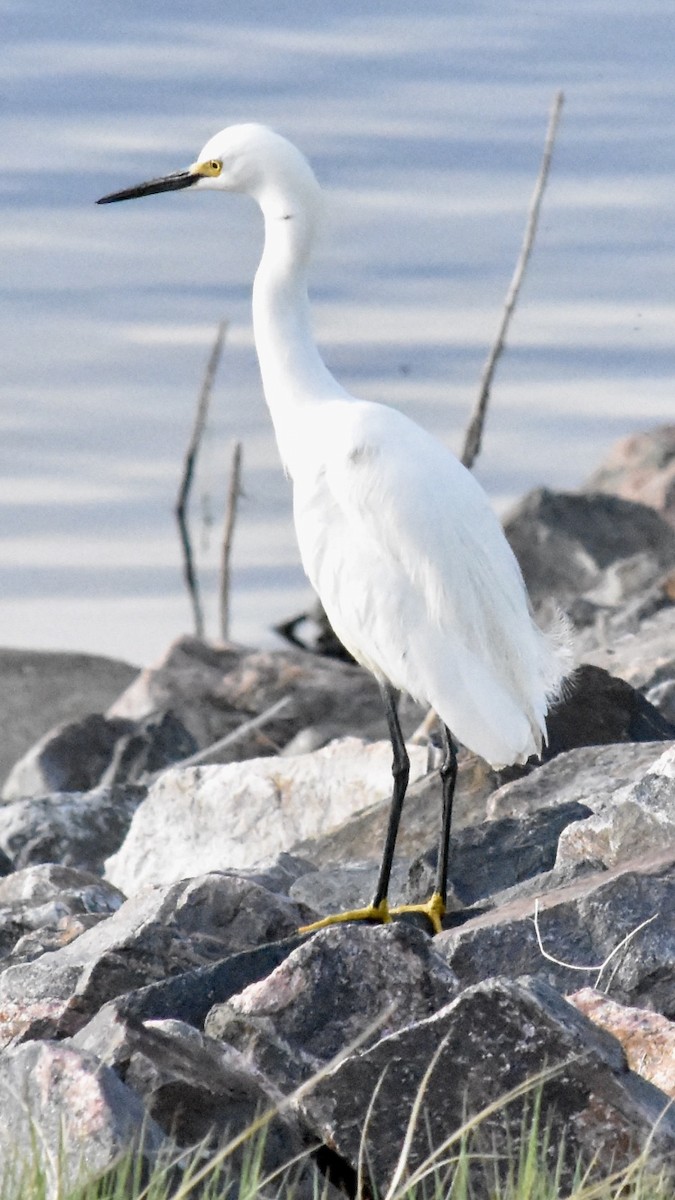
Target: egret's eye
x: 215, y: 167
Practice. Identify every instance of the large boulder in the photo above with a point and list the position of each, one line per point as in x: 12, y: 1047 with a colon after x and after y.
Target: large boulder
x: 67, y: 1116
x: 216, y: 689
x: 161, y: 932
x: 236, y: 815
x: 344, y: 983
x: 40, y: 689
x: 462, y: 1062
x: 640, y: 467
x: 74, y: 829
x: 613, y: 927
x: 80, y: 755
x: 595, y: 546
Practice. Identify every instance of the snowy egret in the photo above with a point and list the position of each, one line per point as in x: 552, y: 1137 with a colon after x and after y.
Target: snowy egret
x: 396, y: 536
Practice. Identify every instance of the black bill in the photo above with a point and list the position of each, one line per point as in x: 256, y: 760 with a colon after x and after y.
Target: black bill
x: 169, y: 183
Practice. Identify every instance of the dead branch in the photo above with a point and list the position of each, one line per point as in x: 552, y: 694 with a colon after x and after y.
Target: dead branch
x: 230, y: 517
x: 189, y: 573
x: 599, y: 967
x: 230, y: 739
x: 474, y: 434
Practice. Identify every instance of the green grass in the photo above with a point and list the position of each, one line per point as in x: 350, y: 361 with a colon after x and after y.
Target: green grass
x: 468, y: 1166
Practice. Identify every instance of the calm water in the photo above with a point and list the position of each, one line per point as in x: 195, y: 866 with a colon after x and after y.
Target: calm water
x: 425, y: 125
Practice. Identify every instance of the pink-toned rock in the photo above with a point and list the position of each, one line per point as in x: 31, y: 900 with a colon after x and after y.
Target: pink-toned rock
x: 647, y: 1037
x: 641, y: 467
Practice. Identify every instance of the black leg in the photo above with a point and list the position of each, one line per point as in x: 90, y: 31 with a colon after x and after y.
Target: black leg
x: 400, y: 769
x: 448, y: 774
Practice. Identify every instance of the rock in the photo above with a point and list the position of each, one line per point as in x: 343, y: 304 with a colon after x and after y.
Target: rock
x: 79, y: 755
x: 595, y: 546
x: 582, y: 925
x: 198, y: 1090
x: 162, y: 931
x: 190, y: 995
x: 330, y: 991
x: 496, y: 855
x: 590, y: 775
x: 276, y: 874
x: 648, y: 1039
x: 641, y: 467
x: 491, y: 1039
x: 598, y: 709
x: 214, y: 689
x: 362, y: 835
x: 232, y: 816
x: 639, y: 819
x: 41, y: 689
x: 342, y: 888
x: 46, y: 907
x: 74, y: 829
x: 641, y: 651
x: 71, y: 1114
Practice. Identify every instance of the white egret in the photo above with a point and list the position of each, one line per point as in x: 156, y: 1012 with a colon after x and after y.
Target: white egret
x: 396, y: 536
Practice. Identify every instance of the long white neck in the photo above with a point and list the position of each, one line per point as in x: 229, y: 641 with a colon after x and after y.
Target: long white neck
x: 293, y: 372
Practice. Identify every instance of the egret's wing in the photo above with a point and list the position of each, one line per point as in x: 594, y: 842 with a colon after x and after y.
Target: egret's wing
x: 422, y: 585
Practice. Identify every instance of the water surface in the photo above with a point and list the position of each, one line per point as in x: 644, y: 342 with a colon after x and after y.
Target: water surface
x: 425, y: 127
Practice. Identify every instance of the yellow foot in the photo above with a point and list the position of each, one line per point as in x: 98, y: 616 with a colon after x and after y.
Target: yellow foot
x: 433, y: 910
x: 379, y: 913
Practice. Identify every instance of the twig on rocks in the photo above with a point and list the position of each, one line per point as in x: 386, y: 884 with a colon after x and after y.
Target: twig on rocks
x: 472, y: 441
x: 189, y: 461
x: 231, y: 738
x: 228, y: 532
x: 558, y: 961
x: 622, y: 943
x: 573, y: 966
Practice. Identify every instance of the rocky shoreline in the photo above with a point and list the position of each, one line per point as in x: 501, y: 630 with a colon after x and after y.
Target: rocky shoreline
x: 151, y: 970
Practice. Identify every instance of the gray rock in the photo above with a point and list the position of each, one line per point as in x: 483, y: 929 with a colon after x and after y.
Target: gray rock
x: 639, y: 650
x: 361, y: 837
x: 339, y: 889
x: 590, y: 775
x: 162, y: 931
x: 330, y: 991
x: 70, y: 1113
x: 214, y: 689
x: 234, y: 815
x: 277, y: 874
x: 45, y: 907
x: 497, y: 854
x: 491, y: 1039
x: 597, y: 709
x: 41, y: 689
x: 581, y: 925
x: 98, y: 750
x: 596, y: 545
x: 189, y: 996
x: 72, y: 828
x: 641, y: 467
x: 640, y: 819
x: 198, y: 1090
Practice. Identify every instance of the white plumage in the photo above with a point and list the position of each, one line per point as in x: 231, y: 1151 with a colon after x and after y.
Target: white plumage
x: 396, y: 536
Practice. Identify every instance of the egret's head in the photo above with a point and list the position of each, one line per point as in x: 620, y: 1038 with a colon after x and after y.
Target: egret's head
x: 241, y: 158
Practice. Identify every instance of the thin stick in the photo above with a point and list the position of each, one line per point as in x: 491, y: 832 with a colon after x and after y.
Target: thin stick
x: 600, y: 967
x: 189, y: 573
x: 228, y: 532
x: 474, y: 434
x: 558, y: 961
x: 231, y: 738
